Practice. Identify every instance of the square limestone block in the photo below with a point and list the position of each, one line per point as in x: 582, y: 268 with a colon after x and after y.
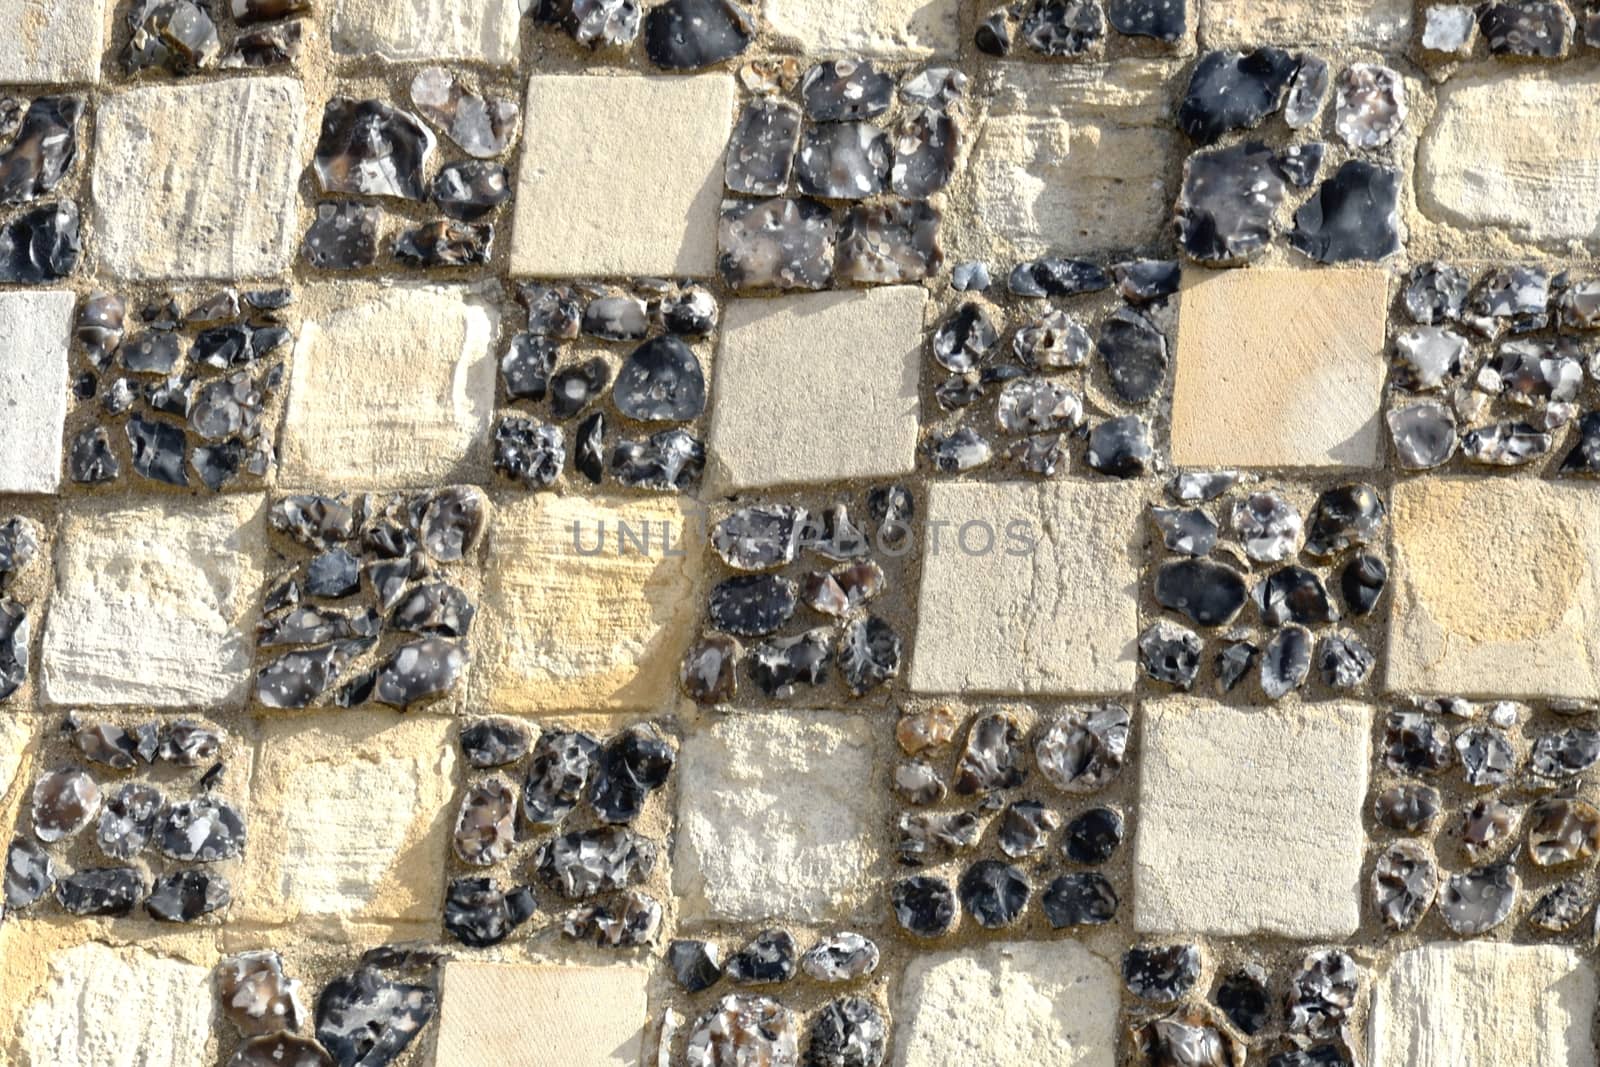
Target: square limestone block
x: 1029, y: 588
x: 891, y: 29
x: 35, y: 331
x: 820, y: 387
x: 531, y: 1015
x: 1483, y: 1003
x: 52, y: 42
x: 1377, y: 24
x: 392, y: 388
x: 587, y: 606
x: 621, y: 175
x: 355, y: 810
x: 198, y: 181
x: 155, y: 603
x: 1250, y: 819
x: 776, y: 820
x: 1009, y: 1004
x: 1280, y: 368
x: 1495, y: 586
x: 404, y: 31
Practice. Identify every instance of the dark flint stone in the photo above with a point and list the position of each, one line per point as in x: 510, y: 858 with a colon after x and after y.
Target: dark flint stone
x: 188, y: 744
x: 1560, y: 909
x: 574, y: 387
x: 531, y: 452
x: 781, y: 243
x: 1294, y: 594
x: 128, y: 820
x: 994, y: 893
x: 848, y: 1032
x: 1121, y: 447
x: 1161, y: 975
x: 220, y: 346
x: 420, y: 670
x: 99, y: 329
x: 186, y: 895
x: 957, y: 392
x: 1189, y: 531
x: 660, y: 382
x: 1424, y: 434
x: 40, y: 246
x: 267, y: 47
x: 1094, y: 836
x: 369, y: 148
x: 1435, y: 293
x: 1286, y: 661
x: 1079, y: 900
x: 1234, y: 91
x: 924, y: 906
x: 562, y: 763
x: 433, y: 608
x: 696, y: 965
x: 1135, y: 351
x: 1145, y: 281
x: 691, y: 34
x: 202, y: 830
x: 926, y: 147
x: 761, y: 150
x: 43, y: 150
x: 368, y: 1018
x: 298, y: 679
x: 90, y: 460
x: 584, y: 863
x: 1404, y: 881
x: 1415, y: 743
x: 709, y: 674
x: 106, y: 744
x: 1316, y: 1056
x: 153, y: 352
x: 1343, y: 661
x: 1565, y: 754
x: 921, y: 833
x: 962, y: 340
x: 935, y: 87
x: 1585, y: 455
x: 889, y: 243
x: 669, y: 461
x: 760, y: 537
x: 177, y: 36
x: 869, y: 654
x: 1507, y: 443
x: 843, y: 161
x: 616, y: 318
x: 1063, y: 27
x: 478, y: 914
x: 1245, y: 999
x: 1171, y: 653
x: 1230, y: 196
x: 553, y: 311
x: 1344, y: 516
x: 1352, y: 217
x: 1409, y: 809
x: 631, y: 766
x: 778, y: 665
x: 1486, y: 756
x: 493, y: 742
x: 1539, y: 29
x: 1210, y: 594
x: 771, y: 956
x: 1165, y: 20
x: 598, y: 22
x: 19, y: 544
x: 452, y: 521
x: 590, y: 454
x: 1306, y: 92
x: 13, y: 647
x: 689, y: 312
x: 333, y: 574
x: 1322, y: 995
x: 993, y: 37
x: 992, y: 758
x: 1518, y: 296
x: 281, y: 1049
x: 1057, y: 277
x: 634, y: 921
x: 1362, y: 582
x: 1478, y: 900
x: 1024, y: 827
x: 844, y: 90
x: 470, y: 189
x: 445, y: 243
x: 1300, y: 164
x: 29, y: 873
x: 157, y: 450
x: 111, y: 891
x: 752, y: 605
x: 1233, y: 661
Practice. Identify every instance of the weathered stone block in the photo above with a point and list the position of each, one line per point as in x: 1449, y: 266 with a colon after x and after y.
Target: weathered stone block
x: 1009, y: 1004
x: 1451, y: 1005
x: 1246, y: 24
x: 621, y: 175
x: 35, y: 328
x: 198, y: 181
x: 52, y: 43
x: 155, y: 603
x: 431, y: 347
x: 820, y: 387
x: 1028, y: 589
x: 1279, y: 368
x: 587, y: 606
x: 1495, y: 586
x: 774, y: 822
x: 898, y: 29
x: 522, y: 1015
x: 481, y: 32
x: 1250, y: 819
x: 355, y: 808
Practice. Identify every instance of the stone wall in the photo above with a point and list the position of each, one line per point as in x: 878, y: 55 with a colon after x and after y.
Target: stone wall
x: 778, y: 532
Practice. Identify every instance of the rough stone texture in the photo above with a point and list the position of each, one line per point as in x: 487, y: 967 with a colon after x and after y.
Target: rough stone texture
x: 1250, y: 819
x: 1495, y: 588
x: 198, y: 181
x: 899, y: 29
x: 1060, y: 617
x: 774, y: 821
x: 1279, y: 368
x: 432, y: 347
x: 355, y: 811
x: 34, y: 332
x: 155, y: 603
x: 1067, y: 161
x: 621, y: 175
x: 1491, y: 159
x: 53, y: 42
x: 20, y: 736
x: 522, y: 1015
x: 400, y: 32
x: 819, y: 387
x: 1009, y: 1003
x: 591, y: 630
x: 1378, y: 24
x: 1444, y: 1005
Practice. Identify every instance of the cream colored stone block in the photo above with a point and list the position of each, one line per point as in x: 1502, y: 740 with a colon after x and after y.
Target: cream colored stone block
x: 1484, y: 1004
x: 820, y: 387
x: 1008, y: 1004
x: 577, y: 613
x: 52, y: 42
x: 392, y: 387
x: 1028, y: 588
x: 894, y: 29
x: 1495, y: 587
x: 1246, y: 24
x: 35, y: 330
x: 1279, y: 368
x: 155, y: 603
x: 1067, y: 160
x: 1496, y: 158
x: 353, y: 812
x: 775, y: 819
x: 1250, y: 819
x: 19, y: 733
x: 522, y: 1015
x: 403, y: 31
x: 621, y: 175
x: 198, y: 181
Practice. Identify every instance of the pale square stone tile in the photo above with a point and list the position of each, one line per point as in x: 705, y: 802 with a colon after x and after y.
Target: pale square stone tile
x: 402, y: 31
x: 35, y: 331
x: 536, y: 1015
x: 1246, y: 24
x: 894, y: 29
x: 52, y: 42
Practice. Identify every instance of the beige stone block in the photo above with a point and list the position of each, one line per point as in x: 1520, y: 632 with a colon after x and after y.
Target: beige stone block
x: 775, y: 821
x: 1028, y: 588
x: 586, y: 606
x: 894, y: 29
x: 58, y: 41
x: 621, y: 175
x: 1246, y: 24
x: 356, y: 808
x: 35, y: 328
x: 1494, y: 158
x: 819, y: 387
x: 1008, y: 1004
x: 1067, y: 160
x: 1484, y: 1003
x: 1495, y: 586
x: 155, y: 603
x: 20, y: 735
x: 524, y: 1015
x: 1250, y: 819
x: 403, y: 31
x: 1279, y: 368
x: 432, y: 350
x: 198, y: 181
